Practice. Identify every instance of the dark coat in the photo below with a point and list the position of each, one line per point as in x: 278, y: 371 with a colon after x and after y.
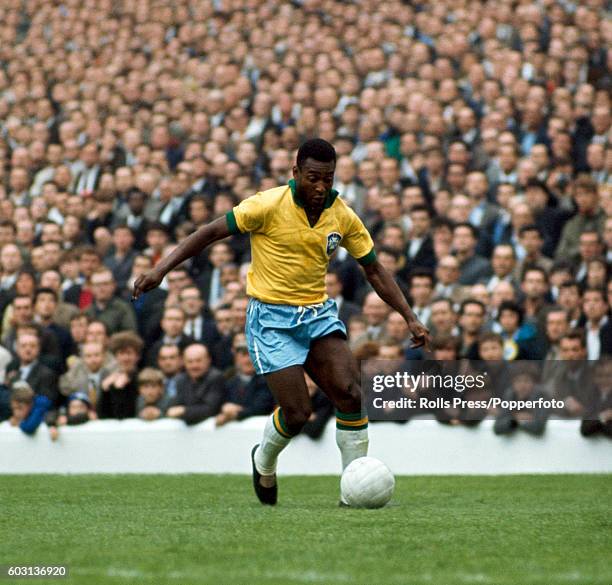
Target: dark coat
x: 201, y: 398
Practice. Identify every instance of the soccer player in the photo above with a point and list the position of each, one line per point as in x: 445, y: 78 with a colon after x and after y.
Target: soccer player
x: 292, y: 326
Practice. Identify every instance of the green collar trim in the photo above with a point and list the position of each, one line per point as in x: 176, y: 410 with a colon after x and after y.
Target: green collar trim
x: 329, y: 200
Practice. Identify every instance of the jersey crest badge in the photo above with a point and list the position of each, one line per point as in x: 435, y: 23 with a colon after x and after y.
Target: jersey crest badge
x: 333, y: 240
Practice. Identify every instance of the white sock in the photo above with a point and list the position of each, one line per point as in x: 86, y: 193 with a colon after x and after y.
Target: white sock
x: 273, y: 442
x: 352, y: 444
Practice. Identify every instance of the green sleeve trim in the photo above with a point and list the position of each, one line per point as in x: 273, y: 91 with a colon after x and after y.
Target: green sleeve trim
x: 368, y: 258
x: 231, y: 222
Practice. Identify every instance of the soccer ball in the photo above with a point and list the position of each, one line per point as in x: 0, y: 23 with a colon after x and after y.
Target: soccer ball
x: 367, y: 483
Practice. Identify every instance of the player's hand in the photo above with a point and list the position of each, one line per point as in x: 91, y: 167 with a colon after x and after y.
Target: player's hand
x: 146, y: 282
x: 419, y: 334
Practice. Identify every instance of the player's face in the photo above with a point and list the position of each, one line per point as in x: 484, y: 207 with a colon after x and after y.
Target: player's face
x: 314, y: 181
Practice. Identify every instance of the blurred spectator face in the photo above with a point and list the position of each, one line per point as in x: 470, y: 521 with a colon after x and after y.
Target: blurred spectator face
x: 503, y: 260
x: 460, y: 209
x: 455, y: 177
x: 127, y: 359
x: 509, y: 320
x: 569, y: 298
x: 51, y: 233
x: 197, y: 361
x: 597, y: 273
x: 20, y: 410
x: 123, y: 239
x: 472, y: 318
x: 594, y: 305
x: 224, y: 321
x: 491, y: 350
x: 390, y: 208
x: 523, y: 385
x: 476, y: 186
x: 396, y: 328
x: 93, y: 356
x: 443, y: 317
x: 239, y: 310
x: 589, y: 246
x: 420, y: 223
x: 191, y: 302
x: 390, y: 352
x: 557, y: 325
x: 169, y: 360
x: 463, y: 240
x: 88, y: 264
x: 447, y: 271
x: 333, y: 285
x: 421, y: 288
x: 96, y: 332
x: 393, y: 237
x: 242, y: 359
x: 51, y: 279
x: 45, y: 306
x: 7, y: 234
x: 78, y: 328
x: 375, y: 310
x: 572, y: 349
x: 23, y: 310
x: 150, y: 392
x: 412, y: 196
x: 532, y: 242
x: 157, y: 240
x: 77, y: 407
x: 10, y: 258
x: 173, y: 322
x: 28, y: 348
x: 198, y: 211
x: 220, y: 254
x: 586, y: 200
x: 103, y: 286
x: 503, y: 291
x: 534, y: 284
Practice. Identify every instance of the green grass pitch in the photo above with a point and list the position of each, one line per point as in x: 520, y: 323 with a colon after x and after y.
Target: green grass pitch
x: 200, y: 529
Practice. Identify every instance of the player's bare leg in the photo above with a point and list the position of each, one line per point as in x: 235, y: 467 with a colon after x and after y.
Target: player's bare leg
x: 332, y: 366
x: 289, y: 388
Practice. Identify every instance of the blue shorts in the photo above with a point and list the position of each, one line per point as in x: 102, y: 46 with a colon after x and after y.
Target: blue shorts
x: 279, y: 336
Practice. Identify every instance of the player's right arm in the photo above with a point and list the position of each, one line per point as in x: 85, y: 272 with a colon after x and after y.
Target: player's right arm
x: 190, y: 246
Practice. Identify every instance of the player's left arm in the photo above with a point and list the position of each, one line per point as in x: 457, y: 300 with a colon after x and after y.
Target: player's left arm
x: 388, y: 291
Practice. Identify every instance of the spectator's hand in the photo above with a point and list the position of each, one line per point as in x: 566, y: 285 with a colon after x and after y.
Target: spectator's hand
x: 14, y: 421
x: 150, y: 413
x: 121, y: 380
x: 53, y: 433
x: 176, y: 411
x: 220, y: 419
x: 146, y: 282
x: 231, y: 410
x: 62, y: 419
x: 573, y: 407
x: 606, y: 415
x: 109, y: 381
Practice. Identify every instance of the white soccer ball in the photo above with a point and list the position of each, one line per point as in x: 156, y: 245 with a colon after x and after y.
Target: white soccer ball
x: 367, y: 483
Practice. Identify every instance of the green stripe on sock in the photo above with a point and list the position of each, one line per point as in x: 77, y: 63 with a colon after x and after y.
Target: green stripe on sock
x: 349, y: 415
x: 283, y: 424
x: 342, y: 427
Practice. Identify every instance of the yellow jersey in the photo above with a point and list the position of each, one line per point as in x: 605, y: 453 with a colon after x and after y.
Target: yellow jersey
x: 289, y: 257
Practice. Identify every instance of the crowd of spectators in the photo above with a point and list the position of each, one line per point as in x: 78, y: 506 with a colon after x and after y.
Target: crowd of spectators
x: 473, y: 139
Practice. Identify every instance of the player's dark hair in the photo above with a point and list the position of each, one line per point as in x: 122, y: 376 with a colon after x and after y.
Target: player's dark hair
x: 317, y: 149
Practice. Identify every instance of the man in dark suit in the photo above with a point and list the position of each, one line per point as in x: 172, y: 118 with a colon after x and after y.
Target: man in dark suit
x: 199, y: 325
x: 346, y: 309
x: 87, y: 180
x: 420, y: 250
x: 200, y: 390
x: 247, y: 392
x: 473, y: 268
x: 27, y: 367
x: 172, y: 325
x: 122, y: 255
